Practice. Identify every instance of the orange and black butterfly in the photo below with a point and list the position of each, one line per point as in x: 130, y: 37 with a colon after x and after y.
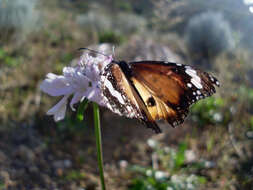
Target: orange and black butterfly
x: 155, y: 90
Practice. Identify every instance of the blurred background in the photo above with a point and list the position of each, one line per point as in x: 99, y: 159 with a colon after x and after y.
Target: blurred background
x: 211, y: 150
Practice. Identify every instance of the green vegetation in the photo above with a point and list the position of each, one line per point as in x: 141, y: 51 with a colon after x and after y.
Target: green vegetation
x: 18, y: 18
x: 208, y: 35
x: 176, y: 174
x: 74, y: 175
x: 210, y: 111
x: 8, y: 60
x: 110, y: 37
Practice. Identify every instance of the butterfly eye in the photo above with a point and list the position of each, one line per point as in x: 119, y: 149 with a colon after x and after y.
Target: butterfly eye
x: 151, y: 102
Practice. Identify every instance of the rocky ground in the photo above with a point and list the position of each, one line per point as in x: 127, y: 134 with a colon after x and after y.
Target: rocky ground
x: 32, y: 157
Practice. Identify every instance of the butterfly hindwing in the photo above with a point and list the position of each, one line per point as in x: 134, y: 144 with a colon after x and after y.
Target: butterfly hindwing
x: 157, y: 108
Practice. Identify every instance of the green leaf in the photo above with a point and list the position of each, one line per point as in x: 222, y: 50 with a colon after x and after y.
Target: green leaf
x: 202, y: 180
x: 2, y: 53
x: 180, y: 157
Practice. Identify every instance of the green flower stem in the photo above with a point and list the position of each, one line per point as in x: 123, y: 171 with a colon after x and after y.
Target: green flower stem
x: 81, y: 109
x: 99, y: 144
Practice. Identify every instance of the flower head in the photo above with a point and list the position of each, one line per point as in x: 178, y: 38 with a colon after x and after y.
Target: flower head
x: 82, y: 81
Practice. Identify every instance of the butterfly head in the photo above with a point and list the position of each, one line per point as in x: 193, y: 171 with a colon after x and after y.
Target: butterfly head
x: 125, y: 67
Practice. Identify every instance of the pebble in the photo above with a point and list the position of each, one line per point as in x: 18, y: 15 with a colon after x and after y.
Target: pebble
x: 62, y: 164
x: 3, y: 157
x: 24, y: 153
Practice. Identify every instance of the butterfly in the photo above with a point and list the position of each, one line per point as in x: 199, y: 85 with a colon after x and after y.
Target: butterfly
x: 155, y: 90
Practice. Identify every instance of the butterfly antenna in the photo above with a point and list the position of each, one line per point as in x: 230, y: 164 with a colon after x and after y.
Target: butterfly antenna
x: 94, y: 51
x: 113, y: 52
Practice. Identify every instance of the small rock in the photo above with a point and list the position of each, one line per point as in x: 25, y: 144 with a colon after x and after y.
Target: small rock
x: 5, y: 178
x: 33, y: 169
x: 25, y: 153
x: 149, y: 173
x: 3, y: 157
x: 58, y: 164
x: 18, y: 173
x: 123, y: 164
x: 249, y: 134
x: 152, y: 143
x: 190, y: 156
x: 5, y: 175
x: 159, y: 175
x: 67, y: 163
x: 209, y: 164
x: 59, y: 172
x: 45, y: 179
x: 62, y: 164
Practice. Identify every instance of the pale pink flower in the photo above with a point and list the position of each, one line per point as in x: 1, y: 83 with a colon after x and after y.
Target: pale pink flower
x: 82, y: 81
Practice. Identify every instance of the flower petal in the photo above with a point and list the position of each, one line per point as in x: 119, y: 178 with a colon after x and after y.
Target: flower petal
x: 69, y: 71
x: 82, y: 81
x: 56, y: 85
x: 95, y: 95
x: 59, y: 110
x: 76, y: 98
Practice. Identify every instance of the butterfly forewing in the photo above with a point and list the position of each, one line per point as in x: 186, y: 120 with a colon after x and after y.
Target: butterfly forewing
x: 124, y: 99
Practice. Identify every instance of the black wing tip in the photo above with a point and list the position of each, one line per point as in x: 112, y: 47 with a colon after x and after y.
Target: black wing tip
x: 213, y: 80
x: 177, y: 122
x: 217, y: 83
x: 157, y: 130
x: 152, y: 125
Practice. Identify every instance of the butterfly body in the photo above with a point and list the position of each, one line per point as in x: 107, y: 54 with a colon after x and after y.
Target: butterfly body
x: 155, y: 90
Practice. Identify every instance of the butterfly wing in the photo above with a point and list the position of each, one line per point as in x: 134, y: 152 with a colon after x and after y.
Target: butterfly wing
x: 168, y: 89
x: 123, y: 98
x: 157, y: 108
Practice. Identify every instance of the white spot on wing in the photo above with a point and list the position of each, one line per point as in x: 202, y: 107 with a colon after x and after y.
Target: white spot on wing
x: 196, y: 81
x: 189, y: 85
x: 191, y: 72
x: 113, y: 92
